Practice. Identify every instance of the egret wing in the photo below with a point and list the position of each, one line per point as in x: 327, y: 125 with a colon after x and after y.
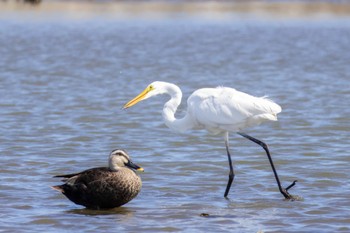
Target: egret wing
x: 226, y: 109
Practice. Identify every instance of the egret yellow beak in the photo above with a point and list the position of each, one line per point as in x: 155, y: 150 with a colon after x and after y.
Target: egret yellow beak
x: 138, y: 98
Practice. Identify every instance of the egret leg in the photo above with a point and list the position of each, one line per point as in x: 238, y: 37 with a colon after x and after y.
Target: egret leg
x: 264, y: 146
x: 231, y: 174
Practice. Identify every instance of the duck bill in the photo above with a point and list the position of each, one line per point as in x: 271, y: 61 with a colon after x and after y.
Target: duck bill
x: 137, y: 99
x: 134, y: 166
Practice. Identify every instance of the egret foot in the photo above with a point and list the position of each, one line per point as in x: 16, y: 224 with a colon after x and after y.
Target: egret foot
x: 285, y: 193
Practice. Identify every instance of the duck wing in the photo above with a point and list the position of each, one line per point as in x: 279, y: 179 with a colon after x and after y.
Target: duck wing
x: 83, y: 174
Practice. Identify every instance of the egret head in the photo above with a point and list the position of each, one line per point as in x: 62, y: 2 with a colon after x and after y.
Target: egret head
x: 152, y: 89
x: 119, y: 158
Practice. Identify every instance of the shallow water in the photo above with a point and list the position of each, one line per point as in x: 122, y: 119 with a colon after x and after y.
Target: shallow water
x: 64, y: 82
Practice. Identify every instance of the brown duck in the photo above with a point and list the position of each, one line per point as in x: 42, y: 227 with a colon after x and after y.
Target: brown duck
x: 103, y: 187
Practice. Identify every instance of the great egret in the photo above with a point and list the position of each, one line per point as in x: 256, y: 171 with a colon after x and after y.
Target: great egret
x: 103, y: 187
x: 218, y: 110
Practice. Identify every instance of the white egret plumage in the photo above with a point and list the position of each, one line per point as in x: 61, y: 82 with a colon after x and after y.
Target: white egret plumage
x: 218, y: 110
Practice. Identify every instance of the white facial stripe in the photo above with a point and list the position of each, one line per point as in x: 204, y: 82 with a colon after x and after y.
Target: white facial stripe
x: 121, y: 153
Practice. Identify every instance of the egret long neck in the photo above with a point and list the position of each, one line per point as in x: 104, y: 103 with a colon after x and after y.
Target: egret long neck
x: 170, y: 107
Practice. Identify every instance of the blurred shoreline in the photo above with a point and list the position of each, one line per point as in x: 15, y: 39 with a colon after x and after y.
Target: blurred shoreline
x: 274, y: 9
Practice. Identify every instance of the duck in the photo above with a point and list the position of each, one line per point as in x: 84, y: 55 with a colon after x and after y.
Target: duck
x: 103, y: 187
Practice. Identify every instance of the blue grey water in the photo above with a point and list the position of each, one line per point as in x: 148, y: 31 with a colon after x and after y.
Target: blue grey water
x: 64, y: 82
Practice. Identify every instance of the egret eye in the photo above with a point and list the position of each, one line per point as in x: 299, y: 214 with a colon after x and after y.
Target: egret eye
x: 150, y: 87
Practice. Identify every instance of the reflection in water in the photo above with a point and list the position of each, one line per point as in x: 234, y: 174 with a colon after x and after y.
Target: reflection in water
x: 115, y: 211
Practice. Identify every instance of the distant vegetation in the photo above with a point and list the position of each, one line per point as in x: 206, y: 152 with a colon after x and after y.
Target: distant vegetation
x: 30, y: 1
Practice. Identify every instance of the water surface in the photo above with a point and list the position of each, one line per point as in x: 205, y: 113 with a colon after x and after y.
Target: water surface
x: 64, y: 81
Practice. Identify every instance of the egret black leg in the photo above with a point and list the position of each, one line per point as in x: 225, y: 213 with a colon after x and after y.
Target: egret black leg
x: 264, y: 146
x: 231, y: 174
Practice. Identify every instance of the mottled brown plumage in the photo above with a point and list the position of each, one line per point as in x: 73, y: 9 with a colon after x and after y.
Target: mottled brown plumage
x: 103, y: 187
